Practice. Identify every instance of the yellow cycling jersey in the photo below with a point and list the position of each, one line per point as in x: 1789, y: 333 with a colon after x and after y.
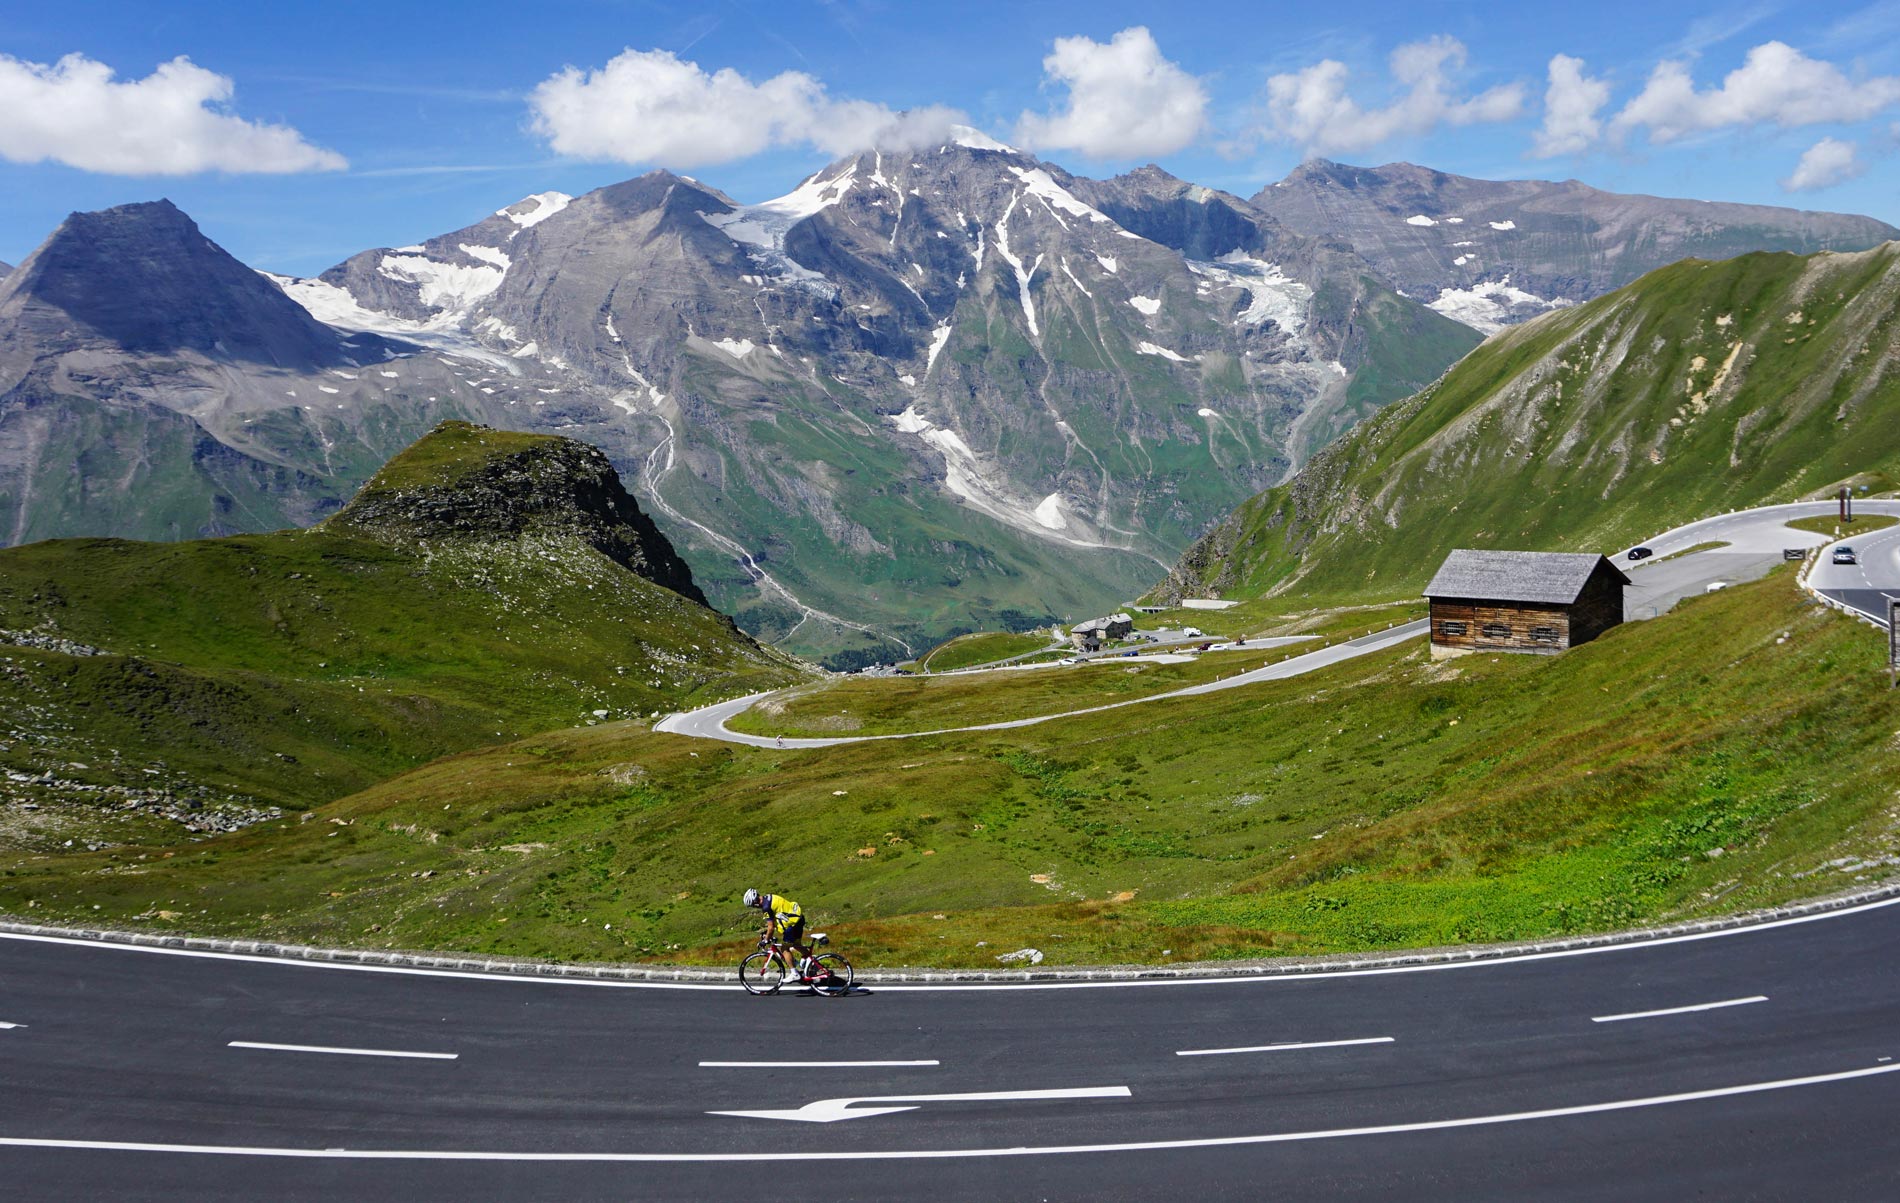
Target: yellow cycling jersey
x: 784, y: 910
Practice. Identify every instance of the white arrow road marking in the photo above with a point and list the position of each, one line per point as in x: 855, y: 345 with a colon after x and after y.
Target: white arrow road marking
x: 11, y: 1025
x: 827, y: 1111
x: 347, y: 1052
x: 1281, y: 1048
x: 1711, y: 1006
x: 809, y: 1064
x: 776, y: 1156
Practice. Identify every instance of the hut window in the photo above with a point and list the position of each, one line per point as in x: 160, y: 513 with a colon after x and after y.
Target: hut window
x: 1543, y: 634
x: 1452, y: 630
x: 1495, y: 630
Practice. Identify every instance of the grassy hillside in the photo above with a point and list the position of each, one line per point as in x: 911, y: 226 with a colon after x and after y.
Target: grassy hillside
x: 1735, y: 752
x: 296, y: 667
x: 1701, y: 387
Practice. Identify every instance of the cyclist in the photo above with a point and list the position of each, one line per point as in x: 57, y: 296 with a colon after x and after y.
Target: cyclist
x: 784, y: 921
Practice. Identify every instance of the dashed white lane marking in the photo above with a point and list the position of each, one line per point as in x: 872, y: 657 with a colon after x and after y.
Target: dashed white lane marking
x: 1708, y: 1006
x: 807, y: 1064
x: 346, y: 1052
x: 830, y: 1111
x: 773, y: 1155
x: 1262, y: 979
x: 1286, y: 1047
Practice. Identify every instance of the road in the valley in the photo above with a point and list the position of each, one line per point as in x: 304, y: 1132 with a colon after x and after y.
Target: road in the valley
x: 1751, y: 1063
x: 1753, y: 542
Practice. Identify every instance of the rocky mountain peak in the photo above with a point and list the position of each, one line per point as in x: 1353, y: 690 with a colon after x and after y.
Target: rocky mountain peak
x: 143, y: 278
x: 467, y: 483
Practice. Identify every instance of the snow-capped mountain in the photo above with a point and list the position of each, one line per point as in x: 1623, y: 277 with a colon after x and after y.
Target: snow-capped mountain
x: 920, y: 389
x: 919, y: 392
x: 1490, y: 253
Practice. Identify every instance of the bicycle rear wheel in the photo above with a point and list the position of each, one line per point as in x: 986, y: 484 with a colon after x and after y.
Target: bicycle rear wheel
x: 761, y: 973
x: 832, y: 974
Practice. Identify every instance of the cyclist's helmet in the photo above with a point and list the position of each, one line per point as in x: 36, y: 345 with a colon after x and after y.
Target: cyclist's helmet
x: 752, y: 898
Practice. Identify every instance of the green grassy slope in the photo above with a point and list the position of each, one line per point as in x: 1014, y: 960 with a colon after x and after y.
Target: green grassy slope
x: 1701, y: 387
x: 296, y: 667
x: 1714, y: 759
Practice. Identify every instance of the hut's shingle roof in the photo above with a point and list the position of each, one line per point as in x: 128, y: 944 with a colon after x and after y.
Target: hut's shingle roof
x: 1550, y: 577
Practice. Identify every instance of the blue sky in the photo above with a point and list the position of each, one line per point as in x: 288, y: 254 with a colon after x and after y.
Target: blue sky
x: 398, y: 121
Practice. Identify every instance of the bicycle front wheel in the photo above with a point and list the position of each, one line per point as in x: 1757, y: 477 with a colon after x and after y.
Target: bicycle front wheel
x: 761, y: 973
x: 831, y: 974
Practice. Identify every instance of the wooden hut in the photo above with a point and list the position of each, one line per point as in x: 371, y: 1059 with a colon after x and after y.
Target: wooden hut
x: 1535, y: 602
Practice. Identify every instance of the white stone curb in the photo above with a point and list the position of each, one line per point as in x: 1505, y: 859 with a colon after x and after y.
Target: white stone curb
x: 1286, y: 967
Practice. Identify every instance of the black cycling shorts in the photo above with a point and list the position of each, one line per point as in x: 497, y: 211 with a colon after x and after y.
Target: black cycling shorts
x: 792, y: 931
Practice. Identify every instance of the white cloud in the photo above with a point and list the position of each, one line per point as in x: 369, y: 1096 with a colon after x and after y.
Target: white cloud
x: 1125, y: 100
x: 172, y: 122
x: 649, y: 106
x: 1310, y: 107
x: 1775, y: 84
x: 1571, y: 105
x: 1828, y: 162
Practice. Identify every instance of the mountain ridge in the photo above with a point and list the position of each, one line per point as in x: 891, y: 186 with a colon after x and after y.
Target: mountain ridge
x: 1704, y: 386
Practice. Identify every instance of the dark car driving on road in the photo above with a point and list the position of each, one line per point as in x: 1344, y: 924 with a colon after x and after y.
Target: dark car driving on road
x: 1640, y: 553
x: 1845, y: 555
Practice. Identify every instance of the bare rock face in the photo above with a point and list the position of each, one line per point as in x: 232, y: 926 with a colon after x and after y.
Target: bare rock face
x: 463, y: 482
x: 1495, y: 252
x: 143, y: 279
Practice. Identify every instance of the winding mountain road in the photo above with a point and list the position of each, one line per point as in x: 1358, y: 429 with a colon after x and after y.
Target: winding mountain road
x: 1752, y: 542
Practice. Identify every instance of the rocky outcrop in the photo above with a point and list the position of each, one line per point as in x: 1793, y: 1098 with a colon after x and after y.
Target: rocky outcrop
x: 468, y: 483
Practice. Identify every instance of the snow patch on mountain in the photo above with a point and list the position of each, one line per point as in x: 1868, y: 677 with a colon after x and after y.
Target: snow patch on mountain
x: 738, y: 349
x: 762, y: 227
x: 441, y: 286
x: 335, y: 306
x: 1108, y: 264
x: 535, y: 209
x: 1023, y: 275
x: 1049, y: 513
x: 1272, y: 295
x: 975, y: 139
x: 487, y: 254
x: 938, y: 338
x: 1419, y: 219
x: 1149, y: 306
x: 1488, y: 305
x: 1163, y: 352
x: 1042, y: 186
x: 963, y: 477
x: 1503, y: 225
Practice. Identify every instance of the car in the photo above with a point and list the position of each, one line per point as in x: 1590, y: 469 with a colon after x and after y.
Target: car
x: 1131, y: 652
x: 1192, y: 632
x: 1068, y: 660
x: 1845, y: 555
x: 1715, y: 586
x: 1641, y: 553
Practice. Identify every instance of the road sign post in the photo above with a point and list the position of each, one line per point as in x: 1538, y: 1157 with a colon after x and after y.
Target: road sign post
x: 1893, y: 641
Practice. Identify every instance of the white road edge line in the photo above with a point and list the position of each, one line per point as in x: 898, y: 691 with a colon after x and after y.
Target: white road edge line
x: 1709, y: 1006
x: 347, y: 1052
x: 1281, y: 1048
x: 1320, y: 975
x: 774, y: 1155
x: 807, y: 1064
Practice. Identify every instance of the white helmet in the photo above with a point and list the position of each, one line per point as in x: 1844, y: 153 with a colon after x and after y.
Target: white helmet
x: 752, y: 898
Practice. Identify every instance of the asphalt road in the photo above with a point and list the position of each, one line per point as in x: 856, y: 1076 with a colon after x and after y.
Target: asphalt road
x: 135, y: 1073
x: 1755, y: 540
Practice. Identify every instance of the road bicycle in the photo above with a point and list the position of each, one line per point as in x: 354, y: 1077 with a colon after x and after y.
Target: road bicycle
x: 764, y: 971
